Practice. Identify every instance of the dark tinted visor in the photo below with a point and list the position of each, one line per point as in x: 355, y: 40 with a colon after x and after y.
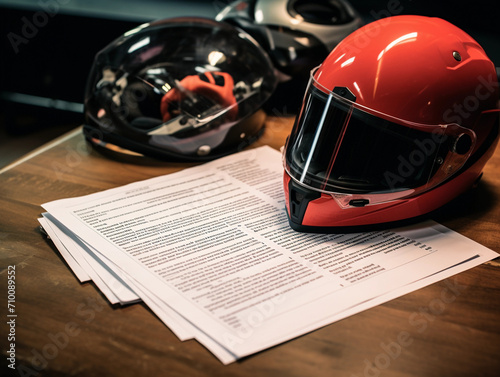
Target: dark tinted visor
x: 338, y: 147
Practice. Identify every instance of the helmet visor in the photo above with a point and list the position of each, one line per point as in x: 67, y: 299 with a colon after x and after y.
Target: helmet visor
x: 341, y: 148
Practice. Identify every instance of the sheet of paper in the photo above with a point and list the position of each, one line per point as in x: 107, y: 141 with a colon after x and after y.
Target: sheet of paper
x: 213, y: 244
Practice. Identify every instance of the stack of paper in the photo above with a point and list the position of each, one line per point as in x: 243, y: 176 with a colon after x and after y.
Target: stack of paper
x: 210, y: 251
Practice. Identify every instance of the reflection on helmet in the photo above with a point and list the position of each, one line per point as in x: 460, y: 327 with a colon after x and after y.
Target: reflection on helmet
x: 179, y: 89
x: 204, y: 94
x: 392, y: 128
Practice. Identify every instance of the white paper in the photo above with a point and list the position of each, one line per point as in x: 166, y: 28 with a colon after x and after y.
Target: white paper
x: 212, y: 243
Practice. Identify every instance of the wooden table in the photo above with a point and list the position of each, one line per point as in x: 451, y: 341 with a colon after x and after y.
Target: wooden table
x: 63, y: 328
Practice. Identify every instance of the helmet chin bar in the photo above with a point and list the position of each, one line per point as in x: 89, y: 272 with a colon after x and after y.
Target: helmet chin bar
x: 300, y: 195
x: 298, y: 200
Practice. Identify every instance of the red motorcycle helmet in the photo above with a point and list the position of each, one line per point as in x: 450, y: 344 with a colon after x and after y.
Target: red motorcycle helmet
x: 399, y: 119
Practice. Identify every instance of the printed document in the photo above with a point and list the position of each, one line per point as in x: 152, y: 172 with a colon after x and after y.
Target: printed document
x: 210, y: 251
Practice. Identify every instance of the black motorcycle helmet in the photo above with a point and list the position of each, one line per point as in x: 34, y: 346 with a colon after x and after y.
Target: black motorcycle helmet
x: 184, y: 89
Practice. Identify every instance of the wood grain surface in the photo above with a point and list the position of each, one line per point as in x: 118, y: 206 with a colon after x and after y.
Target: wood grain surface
x: 64, y: 328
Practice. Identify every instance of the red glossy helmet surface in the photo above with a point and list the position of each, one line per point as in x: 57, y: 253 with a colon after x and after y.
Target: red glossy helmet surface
x: 399, y: 119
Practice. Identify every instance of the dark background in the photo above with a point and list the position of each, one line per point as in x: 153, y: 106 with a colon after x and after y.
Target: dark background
x: 42, y: 83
